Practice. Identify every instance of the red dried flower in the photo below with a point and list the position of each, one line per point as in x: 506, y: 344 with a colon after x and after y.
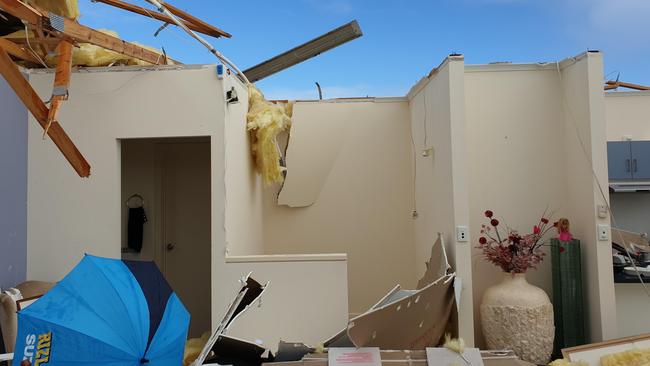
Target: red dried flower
x: 482, y: 240
x: 544, y: 220
x: 562, y: 249
x: 494, y: 222
x: 489, y: 214
x: 536, y: 229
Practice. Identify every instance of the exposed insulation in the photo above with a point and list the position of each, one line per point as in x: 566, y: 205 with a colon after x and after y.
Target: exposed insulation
x: 265, y: 120
x: 90, y: 55
x: 64, y: 8
x: 193, y: 348
x: 634, y: 357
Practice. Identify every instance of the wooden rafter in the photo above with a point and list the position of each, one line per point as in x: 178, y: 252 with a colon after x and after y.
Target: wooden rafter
x: 189, y: 18
x: 613, y: 84
x: 61, y: 82
x: 17, y: 51
x: 39, y: 110
x: 75, y: 32
x: 192, y: 22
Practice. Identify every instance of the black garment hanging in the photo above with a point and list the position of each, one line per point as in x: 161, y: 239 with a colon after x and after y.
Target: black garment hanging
x: 135, y: 229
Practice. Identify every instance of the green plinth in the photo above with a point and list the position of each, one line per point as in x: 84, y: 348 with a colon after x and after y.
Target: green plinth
x: 567, y: 294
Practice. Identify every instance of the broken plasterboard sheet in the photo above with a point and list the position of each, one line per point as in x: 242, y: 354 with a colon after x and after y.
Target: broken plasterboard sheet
x: 318, y: 133
x: 422, y: 319
x: 422, y: 314
x: 237, y: 352
x: 249, y: 292
x: 437, y: 265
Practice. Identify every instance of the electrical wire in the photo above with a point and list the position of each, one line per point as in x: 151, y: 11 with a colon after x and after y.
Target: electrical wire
x: 415, y: 171
x: 212, y: 50
x: 597, y: 181
x: 424, y: 96
x: 31, y: 49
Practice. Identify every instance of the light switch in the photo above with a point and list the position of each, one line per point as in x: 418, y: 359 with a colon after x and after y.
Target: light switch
x: 603, y: 232
x: 462, y: 234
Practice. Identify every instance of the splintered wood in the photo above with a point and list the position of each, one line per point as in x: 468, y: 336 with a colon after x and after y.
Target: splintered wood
x: 39, y: 110
x: 47, y: 31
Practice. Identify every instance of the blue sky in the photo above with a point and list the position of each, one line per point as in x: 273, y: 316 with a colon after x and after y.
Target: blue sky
x: 402, y: 40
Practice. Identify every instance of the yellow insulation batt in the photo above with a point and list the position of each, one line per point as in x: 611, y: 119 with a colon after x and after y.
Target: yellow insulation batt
x: 193, y: 348
x: 64, y: 8
x: 634, y: 357
x: 89, y: 55
x: 265, y: 120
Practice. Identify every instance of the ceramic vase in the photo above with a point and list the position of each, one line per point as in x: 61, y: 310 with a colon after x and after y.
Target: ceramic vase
x: 518, y: 316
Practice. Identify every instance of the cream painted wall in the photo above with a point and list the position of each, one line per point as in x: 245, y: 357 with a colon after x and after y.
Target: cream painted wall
x: 364, y: 207
x: 69, y: 216
x: 244, y: 227
x: 77, y: 216
x: 515, y: 159
x: 627, y: 115
x: 586, y: 163
x: 306, y: 300
x: 437, y: 107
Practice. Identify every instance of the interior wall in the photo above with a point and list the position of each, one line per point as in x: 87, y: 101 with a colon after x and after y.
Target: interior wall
x: 306, y: 300
x: 437, y: 111
x: 586, y: 163
x: 365, y: 204
x: 516, y: 160
x: 626, y: 114
x: 13, y: 188
x: 78, y: 216
x: 244, y: 227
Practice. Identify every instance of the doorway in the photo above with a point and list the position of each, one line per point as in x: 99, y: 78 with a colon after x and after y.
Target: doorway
x: 170, y: 180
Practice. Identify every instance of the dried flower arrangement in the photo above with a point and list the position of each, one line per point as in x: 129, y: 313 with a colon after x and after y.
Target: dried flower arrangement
x: 508, y: 249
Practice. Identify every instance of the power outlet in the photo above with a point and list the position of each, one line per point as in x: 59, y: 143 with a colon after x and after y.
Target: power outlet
x: 462, y: 234
x: 603, y: 232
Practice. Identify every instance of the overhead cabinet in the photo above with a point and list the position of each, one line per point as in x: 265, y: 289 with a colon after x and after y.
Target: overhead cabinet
x: 628, y: 160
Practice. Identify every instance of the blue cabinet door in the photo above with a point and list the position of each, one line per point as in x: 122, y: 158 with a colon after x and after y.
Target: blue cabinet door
x: 640, y: 159
x: 619, y: 160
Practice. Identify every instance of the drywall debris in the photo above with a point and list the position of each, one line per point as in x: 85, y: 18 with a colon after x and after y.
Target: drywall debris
x: 227, y: 350
x: 315, y: 142
x: 406, y: 319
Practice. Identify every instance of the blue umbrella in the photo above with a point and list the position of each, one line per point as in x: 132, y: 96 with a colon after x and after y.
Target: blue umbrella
x: 105, y: 312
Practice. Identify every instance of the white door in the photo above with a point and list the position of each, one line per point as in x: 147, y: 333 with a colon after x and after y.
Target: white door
x: 185, y: 227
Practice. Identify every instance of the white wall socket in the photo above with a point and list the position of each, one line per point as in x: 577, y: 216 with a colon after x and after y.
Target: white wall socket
x: 603, y: 232
x: 462, y: 234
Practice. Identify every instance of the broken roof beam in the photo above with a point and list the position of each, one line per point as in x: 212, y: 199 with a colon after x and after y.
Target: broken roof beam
x: 189, y: 18
x: 75, y: 32
x: 192, y: 22
x: 304, y: 52
x: 611, y: 84
x: 39, y: 110
x: 17, y: 51
x: 61, y: 82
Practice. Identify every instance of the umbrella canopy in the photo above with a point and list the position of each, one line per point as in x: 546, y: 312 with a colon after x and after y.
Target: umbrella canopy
x: 105, y: 312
